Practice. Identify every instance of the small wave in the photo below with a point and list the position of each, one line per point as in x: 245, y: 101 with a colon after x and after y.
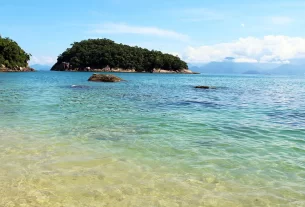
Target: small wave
x: 288, y: 117
x: 76, y: 86
x: 201, y: 103
x: 80, y: 86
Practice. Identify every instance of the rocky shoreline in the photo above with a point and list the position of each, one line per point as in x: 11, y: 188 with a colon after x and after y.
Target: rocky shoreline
x: 121, y: 70
x: 16, y: 69
x: 133, y: 71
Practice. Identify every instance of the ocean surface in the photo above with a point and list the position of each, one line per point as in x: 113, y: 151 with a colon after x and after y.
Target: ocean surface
x: 152, y: 140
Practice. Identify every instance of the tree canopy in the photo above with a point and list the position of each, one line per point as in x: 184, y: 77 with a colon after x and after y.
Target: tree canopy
x: 11, y: 55
x: 99, y: 53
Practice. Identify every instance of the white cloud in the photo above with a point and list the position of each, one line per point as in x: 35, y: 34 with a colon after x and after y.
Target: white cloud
x: 43, y: 60
x: 120, y: 28
x: 269, y: 49
x: 280, y: 20
x: 245, y: 60
x: 242, y: 25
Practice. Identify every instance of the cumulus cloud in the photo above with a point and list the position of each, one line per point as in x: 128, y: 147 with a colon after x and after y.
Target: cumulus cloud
x: 119, y: 28
x: 269, y: 49
x: 43, y: 60
x: 245, y: 60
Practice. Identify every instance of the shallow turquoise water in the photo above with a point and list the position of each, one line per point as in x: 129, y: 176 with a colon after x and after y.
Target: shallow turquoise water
x: 153, y: 140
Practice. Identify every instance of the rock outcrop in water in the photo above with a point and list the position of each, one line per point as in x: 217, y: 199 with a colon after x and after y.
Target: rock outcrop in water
x: 205, y: 87
x: 104, y: 78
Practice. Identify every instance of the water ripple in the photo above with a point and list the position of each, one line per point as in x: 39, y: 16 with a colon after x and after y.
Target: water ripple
x: 153, y: 140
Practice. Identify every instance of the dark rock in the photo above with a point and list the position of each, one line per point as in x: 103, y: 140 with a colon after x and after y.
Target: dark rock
x: 26, y: 69
x: 205, y: 87
x: 104, y: 78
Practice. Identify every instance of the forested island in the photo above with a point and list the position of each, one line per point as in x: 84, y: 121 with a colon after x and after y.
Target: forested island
x: 104, y: 55
x: 12, y: 57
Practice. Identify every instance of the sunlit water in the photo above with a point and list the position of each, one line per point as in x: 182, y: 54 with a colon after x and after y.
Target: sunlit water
x: 153, y: 140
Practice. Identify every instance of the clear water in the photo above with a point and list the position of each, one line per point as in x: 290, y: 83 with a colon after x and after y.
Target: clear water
x: 153, y: 140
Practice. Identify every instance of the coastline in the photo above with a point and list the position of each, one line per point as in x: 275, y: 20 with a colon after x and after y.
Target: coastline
x: 120, y: 70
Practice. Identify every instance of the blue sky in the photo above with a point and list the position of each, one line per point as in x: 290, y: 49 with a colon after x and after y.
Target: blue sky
x: 197, y: 30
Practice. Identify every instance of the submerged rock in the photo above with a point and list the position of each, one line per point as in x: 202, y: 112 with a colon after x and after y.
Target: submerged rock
x: 205, y: 87
x: 104, y: 78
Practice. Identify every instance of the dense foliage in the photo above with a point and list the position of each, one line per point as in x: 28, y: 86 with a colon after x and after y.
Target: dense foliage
x: 99, y: 53
x: 11, y: 55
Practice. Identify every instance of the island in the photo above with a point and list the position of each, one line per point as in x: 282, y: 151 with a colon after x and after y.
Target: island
x: 12, y: 57
x: 104, y: 55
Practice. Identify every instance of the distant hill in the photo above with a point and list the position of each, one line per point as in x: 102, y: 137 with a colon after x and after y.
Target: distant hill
x: 289, y: 69
x: 226, y: 68
x: 194, y: 68
x: 41, y: 67
x: 251, y: 72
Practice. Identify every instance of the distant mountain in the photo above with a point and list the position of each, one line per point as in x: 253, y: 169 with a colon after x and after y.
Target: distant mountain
x: 299, y: 61
x: 251, y: 72
x: 196, y: 64
x: 267, y: 66
x: 226, y: 67
x: 41, y: 67
x: 194, y: 68
x: 289, y: 69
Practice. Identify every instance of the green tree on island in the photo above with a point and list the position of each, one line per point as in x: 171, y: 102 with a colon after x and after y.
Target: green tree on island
x: 11, y: 54
x: 99, y: 53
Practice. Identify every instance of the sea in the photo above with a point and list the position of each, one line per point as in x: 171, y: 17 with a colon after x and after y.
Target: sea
x: 151, y: 140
